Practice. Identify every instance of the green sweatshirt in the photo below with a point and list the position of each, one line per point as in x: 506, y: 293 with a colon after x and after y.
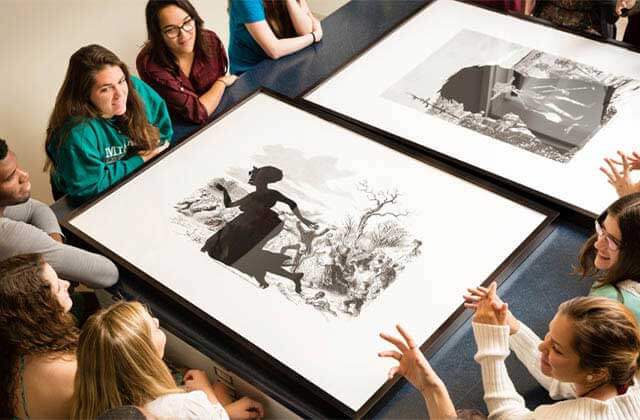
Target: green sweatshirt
x: 93, y: 156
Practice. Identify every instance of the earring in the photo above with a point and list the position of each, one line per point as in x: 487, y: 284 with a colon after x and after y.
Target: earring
x: 589, y: 378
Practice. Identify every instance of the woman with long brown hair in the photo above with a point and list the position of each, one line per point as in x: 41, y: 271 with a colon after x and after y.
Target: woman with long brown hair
x: 612, y: 254
x: 261, y: 29
x: 185, y: 63
x: 120, y: 363
x: 105, y: 124
x: 38, y: 339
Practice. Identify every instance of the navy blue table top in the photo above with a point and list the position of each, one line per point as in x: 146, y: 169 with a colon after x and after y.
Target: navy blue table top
x: 533, y: 291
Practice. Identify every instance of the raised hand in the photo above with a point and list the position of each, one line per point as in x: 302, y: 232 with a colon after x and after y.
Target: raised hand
x: 621, y: 180
x: 489, y: 310
x: 491, y: 302
x: 633, y: 159
x: 412, y: 363
x: 624, y: 4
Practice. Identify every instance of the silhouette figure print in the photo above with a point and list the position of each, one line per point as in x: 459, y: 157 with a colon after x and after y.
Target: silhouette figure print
x: 239, y: 243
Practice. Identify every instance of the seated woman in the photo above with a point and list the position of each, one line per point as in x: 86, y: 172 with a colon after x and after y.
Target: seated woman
x: 185, y: 63
x: 590, y: 355
x: 38, y: 340
x: 612, y: 253
x: 105, y: 124
x: 260, y: 29
x: 128, y: 345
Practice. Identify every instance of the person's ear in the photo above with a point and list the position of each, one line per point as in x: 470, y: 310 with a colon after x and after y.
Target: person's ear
x: 597, y: 375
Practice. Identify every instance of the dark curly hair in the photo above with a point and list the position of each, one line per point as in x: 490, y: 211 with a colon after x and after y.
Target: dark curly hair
x: 4, y: 149
x: 32, y: 322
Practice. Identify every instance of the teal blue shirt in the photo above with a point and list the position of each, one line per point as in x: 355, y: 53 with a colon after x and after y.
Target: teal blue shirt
x: 630, y: 300
x: 94, y: 155
x: 244, y: 51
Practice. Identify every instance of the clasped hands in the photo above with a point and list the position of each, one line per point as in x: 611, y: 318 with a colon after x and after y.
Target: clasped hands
x: 489, y: 308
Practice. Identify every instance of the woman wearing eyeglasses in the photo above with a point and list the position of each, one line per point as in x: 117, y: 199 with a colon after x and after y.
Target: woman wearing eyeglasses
x: 261, y: 29
x: 185, y: 63
x: 613, y: 253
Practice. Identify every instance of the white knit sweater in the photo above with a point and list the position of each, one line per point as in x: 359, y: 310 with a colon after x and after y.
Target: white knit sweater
x: 502, y: 399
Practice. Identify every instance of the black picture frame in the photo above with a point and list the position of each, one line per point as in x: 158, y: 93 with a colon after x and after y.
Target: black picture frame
x: 569, y: 211
x: 310, y: 400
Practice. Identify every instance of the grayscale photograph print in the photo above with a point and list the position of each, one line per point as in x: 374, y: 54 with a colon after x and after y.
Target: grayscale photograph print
x: 545, y: 104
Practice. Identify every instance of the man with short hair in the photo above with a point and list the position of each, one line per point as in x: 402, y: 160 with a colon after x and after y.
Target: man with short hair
x: 29, y: 226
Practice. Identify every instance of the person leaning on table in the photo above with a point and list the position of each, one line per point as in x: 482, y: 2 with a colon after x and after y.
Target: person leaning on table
x: 269, y: 29
x: 105, y: 124
x: 28, y: 226
x: 589, y: 357
x: 185, y: 63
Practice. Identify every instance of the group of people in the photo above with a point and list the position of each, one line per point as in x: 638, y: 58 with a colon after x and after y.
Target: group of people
x: 59, y: 358
x: 106, y: 123
x: 61, y: 361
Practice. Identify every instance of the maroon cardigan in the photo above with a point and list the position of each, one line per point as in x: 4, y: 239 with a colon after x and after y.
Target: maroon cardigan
x: 181, y: 92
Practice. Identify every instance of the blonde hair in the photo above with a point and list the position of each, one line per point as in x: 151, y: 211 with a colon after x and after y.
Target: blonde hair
x: 118, y: 363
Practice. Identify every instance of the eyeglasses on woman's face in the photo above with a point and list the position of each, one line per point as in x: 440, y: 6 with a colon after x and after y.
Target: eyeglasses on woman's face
x: 612, y: 243
x: 174, y: 31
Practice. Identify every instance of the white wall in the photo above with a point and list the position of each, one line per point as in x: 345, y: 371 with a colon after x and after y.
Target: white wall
x: 37, y: 38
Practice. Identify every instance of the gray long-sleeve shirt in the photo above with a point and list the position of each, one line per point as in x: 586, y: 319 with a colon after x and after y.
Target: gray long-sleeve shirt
x: 25, y: 229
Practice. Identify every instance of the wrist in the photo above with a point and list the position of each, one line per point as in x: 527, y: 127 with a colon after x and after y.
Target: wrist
x: 514, y: 326
x: 221, y: 81
x: 313, y: 36
x: 431, y: 385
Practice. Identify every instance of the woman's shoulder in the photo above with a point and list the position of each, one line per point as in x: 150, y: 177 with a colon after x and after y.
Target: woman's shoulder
x: 59, y: 368
x: 628, y: 403
x: 138, y: 84
x: 604, y: 290
x: 631, y: 287
x: 148, y: 68
x: 211, y: 38
x: 144, y: 59
x: 77, y: 130
x: 146, y: 92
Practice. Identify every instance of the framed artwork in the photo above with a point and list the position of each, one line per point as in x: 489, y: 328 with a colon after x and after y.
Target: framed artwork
x: 302, y: 240
x: 522, y: 102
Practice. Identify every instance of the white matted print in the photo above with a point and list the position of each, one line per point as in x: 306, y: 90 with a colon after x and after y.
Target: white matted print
x: 307, y: 239
x: 526, y: 102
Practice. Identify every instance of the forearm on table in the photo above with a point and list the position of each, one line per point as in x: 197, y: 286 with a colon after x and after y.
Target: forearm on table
x: 211, y: 99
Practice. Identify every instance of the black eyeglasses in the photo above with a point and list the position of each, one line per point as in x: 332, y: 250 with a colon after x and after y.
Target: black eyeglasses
x: 174, y: 31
